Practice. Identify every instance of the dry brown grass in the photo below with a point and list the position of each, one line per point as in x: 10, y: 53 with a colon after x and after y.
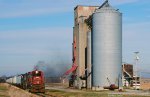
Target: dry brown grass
x: 145, y: 83
x: 58, y: 93
x: 3, y: 90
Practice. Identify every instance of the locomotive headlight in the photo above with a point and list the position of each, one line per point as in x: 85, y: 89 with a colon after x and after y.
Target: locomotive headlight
x: 36, y: 72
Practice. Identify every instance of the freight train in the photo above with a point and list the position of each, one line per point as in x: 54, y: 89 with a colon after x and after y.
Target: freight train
x: 32, y: 81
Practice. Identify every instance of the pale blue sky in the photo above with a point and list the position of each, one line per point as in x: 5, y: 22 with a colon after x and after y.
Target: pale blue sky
x: 34, y: 30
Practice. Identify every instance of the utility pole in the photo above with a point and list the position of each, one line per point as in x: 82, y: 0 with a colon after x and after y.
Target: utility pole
x: 136, y: 69
x: 136, y: 63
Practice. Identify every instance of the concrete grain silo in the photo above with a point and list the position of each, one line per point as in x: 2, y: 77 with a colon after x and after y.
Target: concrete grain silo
x: 106, y: 46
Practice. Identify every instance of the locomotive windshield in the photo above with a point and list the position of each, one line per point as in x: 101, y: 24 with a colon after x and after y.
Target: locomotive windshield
x: 36, y: 73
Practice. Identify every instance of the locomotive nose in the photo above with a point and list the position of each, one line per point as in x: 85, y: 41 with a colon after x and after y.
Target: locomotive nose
x: 37, y: 80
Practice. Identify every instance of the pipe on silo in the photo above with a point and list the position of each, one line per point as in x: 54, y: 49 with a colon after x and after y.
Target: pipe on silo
x: 89, y: 65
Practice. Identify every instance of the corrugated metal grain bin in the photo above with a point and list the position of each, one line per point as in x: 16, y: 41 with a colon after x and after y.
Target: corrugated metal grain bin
x: 107, y: 46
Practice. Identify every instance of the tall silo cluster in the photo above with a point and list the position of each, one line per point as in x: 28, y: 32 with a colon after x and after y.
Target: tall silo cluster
x: 98, y: 32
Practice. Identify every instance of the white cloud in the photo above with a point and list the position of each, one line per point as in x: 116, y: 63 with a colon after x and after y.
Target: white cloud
x: 41, y: 7
x: 36, y: 41
x: 31, y: 8
x: 31, y: 12
x: 37, y: 33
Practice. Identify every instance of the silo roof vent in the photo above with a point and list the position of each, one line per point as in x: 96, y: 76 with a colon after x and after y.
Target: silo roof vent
x: 106, y: 7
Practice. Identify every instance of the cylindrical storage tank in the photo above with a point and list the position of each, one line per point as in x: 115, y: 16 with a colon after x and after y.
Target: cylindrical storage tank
x: 106, y: 46
x: 89, y: 65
